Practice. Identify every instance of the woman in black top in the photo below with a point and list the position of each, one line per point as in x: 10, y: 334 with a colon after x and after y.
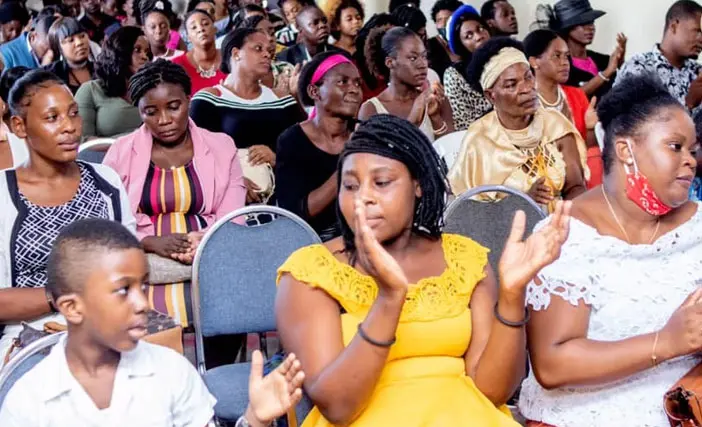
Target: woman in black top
x: 71, y: 48
x: 574, y: 20
x: 243, y: 108
x: 308, y: 153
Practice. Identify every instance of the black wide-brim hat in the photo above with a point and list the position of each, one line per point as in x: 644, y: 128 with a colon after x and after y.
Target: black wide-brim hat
x: 571, y: 13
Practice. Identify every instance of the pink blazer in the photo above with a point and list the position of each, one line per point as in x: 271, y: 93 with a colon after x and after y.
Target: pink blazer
x: 216, y: 162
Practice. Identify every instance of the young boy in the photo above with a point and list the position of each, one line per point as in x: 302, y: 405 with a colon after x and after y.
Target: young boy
x: 287, y: 36
x: 313, y: 37
x: 100, y: 373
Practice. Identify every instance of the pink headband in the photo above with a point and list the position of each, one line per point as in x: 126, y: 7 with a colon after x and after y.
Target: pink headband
x: 327, y: 65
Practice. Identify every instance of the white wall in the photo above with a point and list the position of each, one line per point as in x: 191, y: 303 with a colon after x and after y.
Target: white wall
x: 641, y: 20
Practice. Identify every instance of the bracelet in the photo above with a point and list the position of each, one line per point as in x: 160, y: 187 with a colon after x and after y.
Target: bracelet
x: 602, y: 76
x: 442, y: 130
x: 527, y: 316
x: 384, y: 344
x: 654, y: 358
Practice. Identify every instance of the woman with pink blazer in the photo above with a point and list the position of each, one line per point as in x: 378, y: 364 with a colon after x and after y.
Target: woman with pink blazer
x: 180, y: 178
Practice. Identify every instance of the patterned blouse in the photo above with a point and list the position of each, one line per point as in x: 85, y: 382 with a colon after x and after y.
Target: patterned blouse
x: 174, y: 201
x: 467, y: 104
x: 38, y: 230
x: 677, y: 80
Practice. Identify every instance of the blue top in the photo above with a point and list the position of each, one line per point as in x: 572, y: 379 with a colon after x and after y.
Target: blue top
x: 696, y: 190
x: 17, y: 52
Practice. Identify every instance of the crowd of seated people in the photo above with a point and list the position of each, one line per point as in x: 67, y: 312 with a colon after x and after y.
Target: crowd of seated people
x: 206, y: 107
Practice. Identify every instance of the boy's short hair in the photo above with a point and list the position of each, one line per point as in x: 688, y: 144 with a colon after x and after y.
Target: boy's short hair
x: 75, y: 250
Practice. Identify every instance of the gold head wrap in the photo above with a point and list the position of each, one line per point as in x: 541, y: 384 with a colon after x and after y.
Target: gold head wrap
x: 504, y: 59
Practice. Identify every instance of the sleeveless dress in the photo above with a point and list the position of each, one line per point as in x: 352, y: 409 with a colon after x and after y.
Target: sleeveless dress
x: 424, y: 382
x: 173, y: 199
x: 425, y: 126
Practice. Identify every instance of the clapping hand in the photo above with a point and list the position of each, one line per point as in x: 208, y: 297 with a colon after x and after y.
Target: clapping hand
x: 591, y: 118
x: 272, y: 396
x: 435, y: 99
x: 621, y: 44
x: 523, y: 259
x: 374, y: 259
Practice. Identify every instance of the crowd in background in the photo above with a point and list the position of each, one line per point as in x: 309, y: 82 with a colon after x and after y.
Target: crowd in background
x: 343, y: 119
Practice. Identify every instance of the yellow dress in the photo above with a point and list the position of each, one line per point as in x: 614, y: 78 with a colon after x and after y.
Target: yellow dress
x: 424, y: 383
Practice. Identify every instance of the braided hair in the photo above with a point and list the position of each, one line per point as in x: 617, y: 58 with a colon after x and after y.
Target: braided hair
x: 410, y: 16
x: 155, y: 73
x: 395, y: 138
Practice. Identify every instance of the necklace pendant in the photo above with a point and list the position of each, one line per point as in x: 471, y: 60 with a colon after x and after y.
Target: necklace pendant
x: 206, y: 73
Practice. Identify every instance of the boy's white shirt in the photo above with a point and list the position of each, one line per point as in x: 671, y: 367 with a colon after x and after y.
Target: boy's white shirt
x: 154, y: 387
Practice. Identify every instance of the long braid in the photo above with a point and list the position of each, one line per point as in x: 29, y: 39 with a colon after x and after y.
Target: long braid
x: 153, y: 74
x: 395, y: 138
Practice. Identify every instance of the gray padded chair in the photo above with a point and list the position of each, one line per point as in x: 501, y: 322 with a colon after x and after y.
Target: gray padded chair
x: 24, y: 361
x: 233, y: 291
x: 489, y: 223
x: 94, y: 151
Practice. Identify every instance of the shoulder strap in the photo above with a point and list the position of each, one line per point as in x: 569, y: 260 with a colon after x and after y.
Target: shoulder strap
x: 379, y: 107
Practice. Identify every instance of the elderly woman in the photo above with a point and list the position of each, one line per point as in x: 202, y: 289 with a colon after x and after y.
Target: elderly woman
x: 628, y: 316
x: 466, y: 32
x: 519, y: 144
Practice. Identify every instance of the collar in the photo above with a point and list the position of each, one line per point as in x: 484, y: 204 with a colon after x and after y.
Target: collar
x: 30, y: 50
x: 657, y: 51
x: 133, y: 364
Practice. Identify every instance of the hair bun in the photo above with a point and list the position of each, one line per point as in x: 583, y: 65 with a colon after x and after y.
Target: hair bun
x: 628, y: 92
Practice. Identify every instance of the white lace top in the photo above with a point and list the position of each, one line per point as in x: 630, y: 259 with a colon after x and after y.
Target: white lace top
x: 633, y: 290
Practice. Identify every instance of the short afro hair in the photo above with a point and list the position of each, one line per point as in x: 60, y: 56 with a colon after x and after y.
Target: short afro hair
x: 450, y: 5
x: 335, y: 14
x: 75, y: 249
x: 633, y: 101
x: 484, y: 54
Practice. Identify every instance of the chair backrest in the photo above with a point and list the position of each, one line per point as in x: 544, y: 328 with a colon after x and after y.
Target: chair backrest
x: 94, y: 150
x: 489, y: 223
x: 24, y: 361
x: 234, y: 272
x: 449, y: 145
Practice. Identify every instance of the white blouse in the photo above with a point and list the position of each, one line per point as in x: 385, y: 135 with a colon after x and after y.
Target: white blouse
x: 632, y: 290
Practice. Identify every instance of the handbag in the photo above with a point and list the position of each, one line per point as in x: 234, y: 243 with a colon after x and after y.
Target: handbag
x: 166, y: 271
x: 683, y: 402
x: 261, y: 175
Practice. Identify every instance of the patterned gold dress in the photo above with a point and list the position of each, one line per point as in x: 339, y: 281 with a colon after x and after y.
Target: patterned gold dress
x: 424, y: 382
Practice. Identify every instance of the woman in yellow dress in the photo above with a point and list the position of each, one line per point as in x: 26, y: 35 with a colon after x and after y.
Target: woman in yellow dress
x: 395, y: 323
x: 519, y: 144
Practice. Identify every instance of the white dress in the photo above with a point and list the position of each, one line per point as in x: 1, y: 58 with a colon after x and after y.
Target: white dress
x: 633, y: 290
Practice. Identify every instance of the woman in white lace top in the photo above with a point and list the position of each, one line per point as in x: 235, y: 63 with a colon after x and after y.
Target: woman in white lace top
x: 616, y: 320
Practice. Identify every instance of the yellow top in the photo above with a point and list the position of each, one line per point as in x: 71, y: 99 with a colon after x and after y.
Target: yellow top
x: 424, y: 382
